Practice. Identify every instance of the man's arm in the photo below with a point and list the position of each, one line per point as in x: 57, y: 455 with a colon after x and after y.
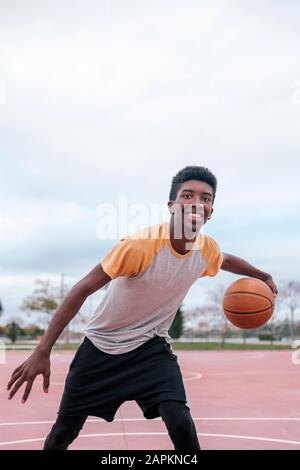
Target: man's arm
x: 237, y: 265
x: 39, y: 361
x: 71, y: 304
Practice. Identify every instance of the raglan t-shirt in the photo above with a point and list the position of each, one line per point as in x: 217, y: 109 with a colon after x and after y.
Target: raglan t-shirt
x: 150, y: 279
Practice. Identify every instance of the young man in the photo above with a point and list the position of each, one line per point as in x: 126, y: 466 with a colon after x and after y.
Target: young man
x: 125, y: 354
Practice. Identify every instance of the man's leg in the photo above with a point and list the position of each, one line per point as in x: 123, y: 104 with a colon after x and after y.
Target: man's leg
x: 63, y: 432
x: 180, y: 425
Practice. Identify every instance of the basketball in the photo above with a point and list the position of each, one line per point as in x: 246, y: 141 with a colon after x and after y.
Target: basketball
x: 248, y: 303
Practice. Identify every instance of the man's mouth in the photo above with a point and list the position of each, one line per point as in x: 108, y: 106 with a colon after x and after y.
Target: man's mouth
x: 194, y: 217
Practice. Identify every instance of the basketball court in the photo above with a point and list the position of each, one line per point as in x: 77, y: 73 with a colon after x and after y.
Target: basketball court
x: 238, y: 399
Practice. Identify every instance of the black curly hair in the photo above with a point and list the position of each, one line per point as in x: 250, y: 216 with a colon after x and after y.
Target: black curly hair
x: 199, y: 173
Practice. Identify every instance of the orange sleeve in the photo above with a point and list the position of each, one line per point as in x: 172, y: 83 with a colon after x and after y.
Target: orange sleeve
x: 213, y: 256
x: 129, y: 257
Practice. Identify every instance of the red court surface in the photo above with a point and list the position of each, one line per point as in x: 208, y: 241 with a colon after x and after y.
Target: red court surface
x: 238, y: 399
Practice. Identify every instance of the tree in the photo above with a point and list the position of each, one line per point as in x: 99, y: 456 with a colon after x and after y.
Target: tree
x: 45, y: 298
x: 198, y: 320
x: 12, y: 330
x: 289, y: 295
x: 176, y: 328
x: 33, y: 331
x: 1, y: 308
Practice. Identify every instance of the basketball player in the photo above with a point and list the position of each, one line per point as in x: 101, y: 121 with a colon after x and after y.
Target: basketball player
x: 125, y: 354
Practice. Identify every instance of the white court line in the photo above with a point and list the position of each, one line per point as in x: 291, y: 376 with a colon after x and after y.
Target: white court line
x: 197, y: 376
x: 245, y: 418
x: 201, y: 418
x: 250, y: 355
x: 256, y: 372
x: 229, y: 436
x: 254, y: 356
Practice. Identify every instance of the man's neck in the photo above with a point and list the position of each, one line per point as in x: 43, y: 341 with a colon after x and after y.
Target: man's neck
x: 180, y: 244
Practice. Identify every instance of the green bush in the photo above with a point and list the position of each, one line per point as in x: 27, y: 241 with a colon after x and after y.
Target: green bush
x: 266, y: 337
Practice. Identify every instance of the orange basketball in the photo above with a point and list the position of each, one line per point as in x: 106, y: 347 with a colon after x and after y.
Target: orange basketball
x: 248, y: 303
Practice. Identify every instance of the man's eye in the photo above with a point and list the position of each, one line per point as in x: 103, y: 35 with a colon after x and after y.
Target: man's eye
x: 187, y: 195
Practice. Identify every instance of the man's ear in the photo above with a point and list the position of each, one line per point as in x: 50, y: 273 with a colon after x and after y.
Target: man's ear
x: 170, y: 205
x: 212, y: 209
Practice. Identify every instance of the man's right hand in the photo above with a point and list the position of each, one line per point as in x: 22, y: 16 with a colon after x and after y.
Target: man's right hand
x: 37, y: 363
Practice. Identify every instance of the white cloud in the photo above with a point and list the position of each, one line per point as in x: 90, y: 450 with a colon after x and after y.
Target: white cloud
x: 109, y: 100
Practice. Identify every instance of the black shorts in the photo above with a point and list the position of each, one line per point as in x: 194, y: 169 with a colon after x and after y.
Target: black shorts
x: 98, y: 383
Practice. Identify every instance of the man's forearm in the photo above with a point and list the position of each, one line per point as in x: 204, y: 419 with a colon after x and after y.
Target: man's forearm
x: 68, y: 308
x: 237, y: 265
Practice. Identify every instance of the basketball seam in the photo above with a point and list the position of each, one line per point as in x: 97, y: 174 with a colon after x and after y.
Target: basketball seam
x: 250, y: 293
x: 246, y: 313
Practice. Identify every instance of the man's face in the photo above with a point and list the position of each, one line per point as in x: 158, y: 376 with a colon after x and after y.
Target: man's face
x: 193, y: 203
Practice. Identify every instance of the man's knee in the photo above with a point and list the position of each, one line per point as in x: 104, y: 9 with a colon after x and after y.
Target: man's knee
x: 63, y: 433
x: 182, y: 423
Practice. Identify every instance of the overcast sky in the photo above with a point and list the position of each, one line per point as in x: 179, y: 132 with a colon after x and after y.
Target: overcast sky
x: 109, y: 99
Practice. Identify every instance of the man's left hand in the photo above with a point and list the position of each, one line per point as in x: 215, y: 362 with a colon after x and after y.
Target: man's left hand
x: 269, y: 281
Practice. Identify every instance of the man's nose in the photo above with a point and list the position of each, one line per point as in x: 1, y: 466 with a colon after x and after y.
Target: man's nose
x: 197, y: 200
x: 195, y: 208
